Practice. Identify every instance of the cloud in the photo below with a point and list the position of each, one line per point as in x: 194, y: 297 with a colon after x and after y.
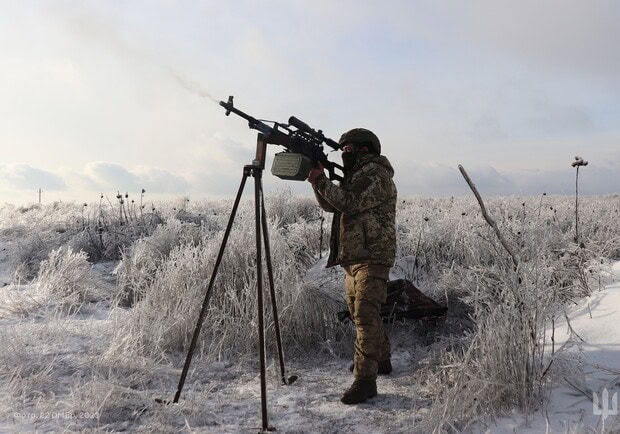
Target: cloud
x: 574, y: 34
x: 441, y: 180
x: 594, y: 179
x: 25, y: 177
x: 568, y: 119
x: 597, y: 179
x: 557, y: 33
x: 475, y: 84
x: 104, y: 176
x: 94, y: 26
x: 427, y: 180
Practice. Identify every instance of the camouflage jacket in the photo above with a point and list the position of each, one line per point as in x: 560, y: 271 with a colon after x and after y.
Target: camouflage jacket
x: 364, y: 207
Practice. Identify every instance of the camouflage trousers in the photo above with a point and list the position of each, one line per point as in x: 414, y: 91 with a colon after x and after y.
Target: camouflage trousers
x: 366, y: 290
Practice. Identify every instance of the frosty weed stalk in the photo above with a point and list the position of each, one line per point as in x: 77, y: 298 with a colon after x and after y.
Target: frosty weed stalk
x: 579, y: 162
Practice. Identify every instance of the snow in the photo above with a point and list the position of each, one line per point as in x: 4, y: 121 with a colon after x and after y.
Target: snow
x: 596, y: 323
x: 226, y: 396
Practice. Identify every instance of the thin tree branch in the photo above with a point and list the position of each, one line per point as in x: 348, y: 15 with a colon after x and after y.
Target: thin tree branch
x: 487, y: 217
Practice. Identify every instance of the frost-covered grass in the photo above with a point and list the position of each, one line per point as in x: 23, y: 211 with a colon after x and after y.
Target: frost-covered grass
x: 88, y: 345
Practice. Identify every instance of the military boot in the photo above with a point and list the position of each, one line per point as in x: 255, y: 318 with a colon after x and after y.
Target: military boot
x: 384, y: 367
x: 360, y: 391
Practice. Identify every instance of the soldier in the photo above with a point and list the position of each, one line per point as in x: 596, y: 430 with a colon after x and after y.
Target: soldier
x: 363, y: 242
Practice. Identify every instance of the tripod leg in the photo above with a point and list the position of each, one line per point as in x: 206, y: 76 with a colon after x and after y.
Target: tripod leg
x: 205, y: 303
x: 272, y: 291
x: 259, y: 284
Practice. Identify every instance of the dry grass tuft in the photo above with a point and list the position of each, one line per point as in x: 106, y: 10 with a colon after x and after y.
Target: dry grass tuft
x: 163, y: 320
x: 65, y: 276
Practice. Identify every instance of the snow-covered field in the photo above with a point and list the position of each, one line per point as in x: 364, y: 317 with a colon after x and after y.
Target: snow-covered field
x: 218, y: 397
x: 60, y: 371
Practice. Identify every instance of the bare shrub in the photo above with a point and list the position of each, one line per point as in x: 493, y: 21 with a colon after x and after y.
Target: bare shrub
x: 142, y: 259
x: 499, y: 365
x: 101, y: 402
x: 306, y: 241
x: 288, y: 209
x: 33, y: 363
x: 24, y: 370
x: 436, y: 234
x: 66, y: 276
x: 30, y: 251
x: 307, y: 208
x: 281, y: 206
x: 163, y: 321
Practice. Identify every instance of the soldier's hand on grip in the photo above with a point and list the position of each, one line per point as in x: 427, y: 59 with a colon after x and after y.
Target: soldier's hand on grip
x: 315, y: 172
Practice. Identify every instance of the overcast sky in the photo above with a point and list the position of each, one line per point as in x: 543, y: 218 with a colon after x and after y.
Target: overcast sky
x: 106, y: 96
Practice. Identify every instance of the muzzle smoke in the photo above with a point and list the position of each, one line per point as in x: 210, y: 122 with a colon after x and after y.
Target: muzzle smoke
x: 192, y: 86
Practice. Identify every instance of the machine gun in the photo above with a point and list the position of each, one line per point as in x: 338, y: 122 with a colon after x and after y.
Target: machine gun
x: 303, y: 145
x: 304, y: 148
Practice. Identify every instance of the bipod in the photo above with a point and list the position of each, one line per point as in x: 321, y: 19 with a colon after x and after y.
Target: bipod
x: 256, y: 171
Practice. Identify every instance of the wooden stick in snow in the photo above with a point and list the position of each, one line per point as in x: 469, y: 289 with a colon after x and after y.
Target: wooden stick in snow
x: 487, y: 217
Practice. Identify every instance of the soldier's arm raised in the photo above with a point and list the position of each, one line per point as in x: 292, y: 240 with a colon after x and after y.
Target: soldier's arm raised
x: 368, y: 191
x: 322, y: 202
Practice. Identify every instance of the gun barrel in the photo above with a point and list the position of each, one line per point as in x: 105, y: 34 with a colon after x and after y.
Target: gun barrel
x: 254, y: 123
x: 231, y: 108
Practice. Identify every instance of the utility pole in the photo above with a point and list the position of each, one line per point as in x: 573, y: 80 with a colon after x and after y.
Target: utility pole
x: 39, y: 196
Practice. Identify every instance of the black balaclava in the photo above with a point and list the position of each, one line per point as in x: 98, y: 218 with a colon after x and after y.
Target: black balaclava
x: 349, y: 159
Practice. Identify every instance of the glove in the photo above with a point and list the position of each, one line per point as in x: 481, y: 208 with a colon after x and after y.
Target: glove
x: 315, y: 172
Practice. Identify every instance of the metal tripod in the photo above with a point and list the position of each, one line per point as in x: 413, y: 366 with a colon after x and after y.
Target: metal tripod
x: 256, y: 171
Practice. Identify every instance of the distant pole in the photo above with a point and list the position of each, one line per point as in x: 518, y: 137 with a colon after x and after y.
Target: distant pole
x: 39, y: 196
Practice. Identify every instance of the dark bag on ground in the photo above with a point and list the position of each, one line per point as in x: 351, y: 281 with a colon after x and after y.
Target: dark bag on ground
x: 404, y: 300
